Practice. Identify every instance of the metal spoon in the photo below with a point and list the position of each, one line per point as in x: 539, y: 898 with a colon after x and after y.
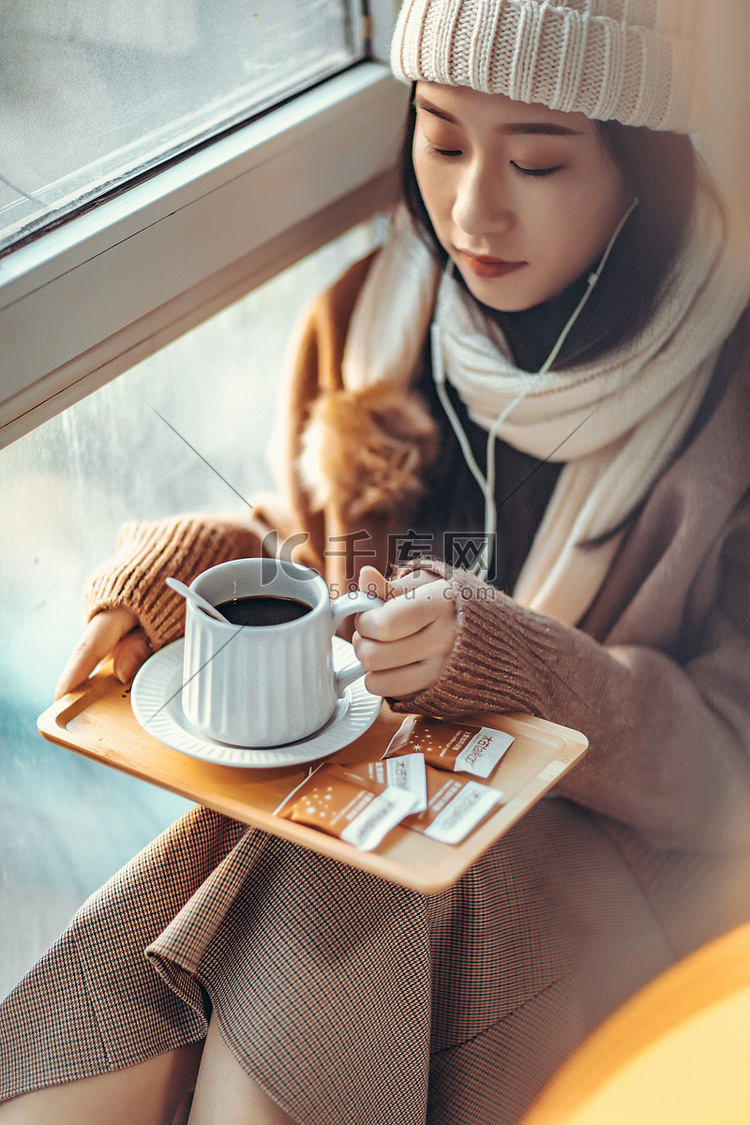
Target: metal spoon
x: 196, y: 599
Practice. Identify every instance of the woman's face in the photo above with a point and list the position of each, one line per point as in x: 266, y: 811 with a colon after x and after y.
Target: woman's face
x: 523, y: 198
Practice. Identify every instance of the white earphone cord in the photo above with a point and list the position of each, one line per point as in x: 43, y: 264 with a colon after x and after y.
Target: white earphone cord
x: 487, y: 483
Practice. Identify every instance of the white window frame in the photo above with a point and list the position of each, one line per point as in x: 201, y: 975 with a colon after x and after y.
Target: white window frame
x: 82, y: 303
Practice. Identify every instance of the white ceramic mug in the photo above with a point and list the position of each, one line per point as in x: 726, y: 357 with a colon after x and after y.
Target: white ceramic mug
x: 265, y: 685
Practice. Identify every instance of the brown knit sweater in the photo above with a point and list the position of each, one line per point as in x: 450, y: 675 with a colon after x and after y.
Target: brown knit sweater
x: 657, y: 675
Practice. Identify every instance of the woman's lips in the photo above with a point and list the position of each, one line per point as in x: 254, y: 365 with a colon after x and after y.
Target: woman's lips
x: 488, y: 267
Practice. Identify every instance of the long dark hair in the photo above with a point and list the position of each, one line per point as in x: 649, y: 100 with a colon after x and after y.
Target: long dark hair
x: 661, y: 168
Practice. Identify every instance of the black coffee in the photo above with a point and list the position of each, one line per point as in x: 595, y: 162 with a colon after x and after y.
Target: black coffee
x: 260, y: 609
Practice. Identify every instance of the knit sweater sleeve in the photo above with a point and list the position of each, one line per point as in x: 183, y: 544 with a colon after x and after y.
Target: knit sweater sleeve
x: 669, y: 745
x: 149, y: 551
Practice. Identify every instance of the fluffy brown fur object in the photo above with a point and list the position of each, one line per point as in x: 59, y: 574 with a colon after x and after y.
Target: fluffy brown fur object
x: 367, y: 450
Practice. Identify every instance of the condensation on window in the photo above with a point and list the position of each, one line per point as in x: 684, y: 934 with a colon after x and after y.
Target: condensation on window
x: 66, y: 823
x: 93, y: 92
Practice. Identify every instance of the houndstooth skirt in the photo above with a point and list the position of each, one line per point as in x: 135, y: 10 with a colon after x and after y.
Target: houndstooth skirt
x: 352, y: 1001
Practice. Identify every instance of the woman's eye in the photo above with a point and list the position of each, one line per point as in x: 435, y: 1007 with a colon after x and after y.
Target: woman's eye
x: 536, y: 171
x: 435, y: 151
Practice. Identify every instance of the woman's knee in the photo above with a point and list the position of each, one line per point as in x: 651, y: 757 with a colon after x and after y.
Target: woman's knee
x: 226, y: 1095
x: 154, y: 1092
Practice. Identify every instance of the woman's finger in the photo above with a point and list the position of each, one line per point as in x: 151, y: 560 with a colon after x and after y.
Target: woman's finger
x: 371, y: 581
x: 399, y: 682
x: 408, y: 613
x: 99, y: 639
x: 434, y: 641
x: 132, y: 651
x: 411, y: 580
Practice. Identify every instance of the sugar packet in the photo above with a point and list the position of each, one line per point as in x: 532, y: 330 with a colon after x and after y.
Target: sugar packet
x: 455, y: 806
x: 449, y: 746
x: 357, y: 809
x: 404, y: 772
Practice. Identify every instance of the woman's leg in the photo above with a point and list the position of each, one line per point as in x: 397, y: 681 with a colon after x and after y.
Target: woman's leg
x: 155, y: 1092
x: 226, y: 1095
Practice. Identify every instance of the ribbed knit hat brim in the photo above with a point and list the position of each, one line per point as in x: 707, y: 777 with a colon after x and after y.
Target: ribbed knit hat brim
x: 635, y: 61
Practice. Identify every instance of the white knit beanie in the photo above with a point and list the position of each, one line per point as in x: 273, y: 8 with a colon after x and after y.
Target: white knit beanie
x: 636, y: 61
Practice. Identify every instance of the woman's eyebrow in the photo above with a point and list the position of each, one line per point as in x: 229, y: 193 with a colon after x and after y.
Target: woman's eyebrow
x: 516, y: 128
x: 546, y: 128
x: 422, y: 103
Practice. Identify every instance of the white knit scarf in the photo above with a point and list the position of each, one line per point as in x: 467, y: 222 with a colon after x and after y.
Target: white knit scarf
x: 616, y: 422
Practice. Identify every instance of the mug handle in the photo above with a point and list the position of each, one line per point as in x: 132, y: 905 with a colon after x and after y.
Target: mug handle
x: 349, y: 603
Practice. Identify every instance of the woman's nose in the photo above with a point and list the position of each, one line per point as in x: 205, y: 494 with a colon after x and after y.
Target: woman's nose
x: 480, y: 206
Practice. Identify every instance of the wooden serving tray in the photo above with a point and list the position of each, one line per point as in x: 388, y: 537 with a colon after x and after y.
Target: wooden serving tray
x: 98, y: 722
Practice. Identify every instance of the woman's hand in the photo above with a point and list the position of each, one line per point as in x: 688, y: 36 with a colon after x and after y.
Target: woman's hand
x: 405, y: 644
x: 115, y: 632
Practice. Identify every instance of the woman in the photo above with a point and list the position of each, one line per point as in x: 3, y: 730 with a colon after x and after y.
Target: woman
x: 567, y: 234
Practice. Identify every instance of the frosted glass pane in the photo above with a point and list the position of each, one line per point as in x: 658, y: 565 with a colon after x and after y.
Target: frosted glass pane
x: 67, y: 823
x: 94, y: 91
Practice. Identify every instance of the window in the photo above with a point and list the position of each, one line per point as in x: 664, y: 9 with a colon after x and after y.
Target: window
x: 94, y: 92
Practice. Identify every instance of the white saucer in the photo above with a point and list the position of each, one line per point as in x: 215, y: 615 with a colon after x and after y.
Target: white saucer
x: 156, y: 698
